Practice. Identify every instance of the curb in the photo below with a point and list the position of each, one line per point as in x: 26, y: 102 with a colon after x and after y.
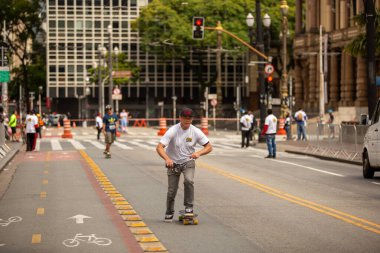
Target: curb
x: 4, y: 162
x: 324, y: 157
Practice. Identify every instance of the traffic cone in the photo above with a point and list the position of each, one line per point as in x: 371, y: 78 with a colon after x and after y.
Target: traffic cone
x: 118, y: 134
x: 162, y: 130
x: 204, y: 125
x: 67, y: 129
x: 281, y: 127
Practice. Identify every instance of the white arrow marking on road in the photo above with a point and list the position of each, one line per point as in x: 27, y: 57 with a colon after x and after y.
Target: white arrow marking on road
x: 79, y: 218
x: 3, y: 244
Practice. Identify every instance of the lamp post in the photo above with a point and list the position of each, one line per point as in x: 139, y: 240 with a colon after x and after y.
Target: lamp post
x: 110, y: 101
x: 40, y: 90
x: 266, y: 22
x: 116, y: 50
x: 260, y: 46
x: 284, y: 78
x: 147, y: 80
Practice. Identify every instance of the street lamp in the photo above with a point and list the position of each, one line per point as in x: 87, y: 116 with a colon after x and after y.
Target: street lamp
x: 110, y: 101
x: 284, y: 79
x: 260, y: 46
x: 101, y: 54
x: 147, y: 80
x: 40, y: 90
x: 116, y: 51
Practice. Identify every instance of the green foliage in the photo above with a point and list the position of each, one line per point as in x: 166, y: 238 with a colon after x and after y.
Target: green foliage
x: 166, y: 23
x: 358, y: 45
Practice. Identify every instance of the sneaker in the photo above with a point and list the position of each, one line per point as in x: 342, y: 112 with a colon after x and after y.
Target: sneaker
x: 105, y: 152
x: 168, y: 217
x: 189, y: 211
x: 269, y: 156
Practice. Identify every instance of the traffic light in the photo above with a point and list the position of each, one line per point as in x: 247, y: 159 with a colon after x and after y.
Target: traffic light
x: 269, y: 84
x: 198, y: 28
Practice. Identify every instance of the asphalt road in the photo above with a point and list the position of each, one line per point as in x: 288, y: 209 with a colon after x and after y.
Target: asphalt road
x: 245, y: 203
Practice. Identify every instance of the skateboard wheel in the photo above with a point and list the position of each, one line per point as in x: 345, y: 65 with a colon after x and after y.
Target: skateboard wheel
x: 185, y: 222
x: 195, y: 221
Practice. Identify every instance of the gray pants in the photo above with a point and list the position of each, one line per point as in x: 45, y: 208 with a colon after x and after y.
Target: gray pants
x: 188, y: 170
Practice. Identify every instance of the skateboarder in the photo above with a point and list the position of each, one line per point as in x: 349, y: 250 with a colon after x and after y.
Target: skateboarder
x: 110, y: 125
x: 180, y: 157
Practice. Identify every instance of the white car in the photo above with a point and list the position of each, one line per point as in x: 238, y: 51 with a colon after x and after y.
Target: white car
x: 371, y: 147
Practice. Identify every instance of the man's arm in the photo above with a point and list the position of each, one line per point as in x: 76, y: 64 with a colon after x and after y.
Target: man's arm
x: 161, y: 151
x: 207, y: 148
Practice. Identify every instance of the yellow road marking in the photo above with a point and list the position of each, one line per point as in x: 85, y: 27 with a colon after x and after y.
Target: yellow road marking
x: 40, y: 211
x: 43, y: 195
x: 354, y: 220
x: 46, y: 172
x: 36, y: 238
x: 45, y: 181
x: 144, y: 236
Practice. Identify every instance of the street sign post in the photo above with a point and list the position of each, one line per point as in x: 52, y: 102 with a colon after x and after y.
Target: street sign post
x: 214, y: 102
x: 269, y: 69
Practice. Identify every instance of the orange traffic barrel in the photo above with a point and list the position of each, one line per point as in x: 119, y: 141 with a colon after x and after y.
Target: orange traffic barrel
x: 66, y: 129
x: 162, y: 130
x: 281, y: 127
x: 204, y: 125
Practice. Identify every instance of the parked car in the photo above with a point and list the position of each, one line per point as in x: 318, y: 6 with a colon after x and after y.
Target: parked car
x: 371, y: 147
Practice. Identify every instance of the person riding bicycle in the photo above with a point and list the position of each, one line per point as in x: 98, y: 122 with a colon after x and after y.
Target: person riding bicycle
x: 180, y: 157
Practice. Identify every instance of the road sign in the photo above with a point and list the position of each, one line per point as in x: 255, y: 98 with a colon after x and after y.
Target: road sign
x: 117, y: 96
x: 4, y: 74
x: 214, y: 102
x: 269, y: 69
x: 116, y: 91
x: 212, y: 96
x: 121, y: 73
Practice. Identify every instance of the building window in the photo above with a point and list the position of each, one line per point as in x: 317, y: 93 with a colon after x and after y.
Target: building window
x: 70, y: 2
x: 70, y: 24
x: 79, y: 24
x: 61, y: 24
x: 52, y: 69
x: 61, y: 69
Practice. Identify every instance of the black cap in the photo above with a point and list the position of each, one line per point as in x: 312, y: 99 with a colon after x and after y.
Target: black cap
x: 187, y: 112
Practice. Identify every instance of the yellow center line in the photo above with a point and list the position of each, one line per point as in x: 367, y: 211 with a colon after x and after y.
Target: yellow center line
x: 40, y: 211
x: 354, y: 220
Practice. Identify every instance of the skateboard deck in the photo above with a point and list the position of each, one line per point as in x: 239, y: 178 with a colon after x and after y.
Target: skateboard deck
x: 108, y: 156
x: 188, y: 219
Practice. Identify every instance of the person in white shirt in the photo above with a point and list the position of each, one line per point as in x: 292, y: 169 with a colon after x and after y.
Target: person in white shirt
x: 31, y: 125
x: 301, y: 118
x: 270, y: 129
x: 246, y: 124
x: 99, y: 124
x: 180, y: 156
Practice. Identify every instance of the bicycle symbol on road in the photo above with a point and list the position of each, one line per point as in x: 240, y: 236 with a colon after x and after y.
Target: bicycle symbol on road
x: 86, y: 238
x: 5, y: 223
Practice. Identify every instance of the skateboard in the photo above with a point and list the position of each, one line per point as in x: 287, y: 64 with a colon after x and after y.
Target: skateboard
x: 108, y: 156
x: 188, y: 219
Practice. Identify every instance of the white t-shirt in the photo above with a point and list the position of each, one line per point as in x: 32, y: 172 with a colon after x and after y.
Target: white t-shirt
x: 271, y: 121
x: 246, y: 122
x: 99, y: 121
x: 31, y: 121
x: 180, y: 143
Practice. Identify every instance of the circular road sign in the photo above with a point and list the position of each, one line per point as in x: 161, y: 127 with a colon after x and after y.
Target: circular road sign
x: 214, y: 102
x: 116, y: 91
x: 269, y: 69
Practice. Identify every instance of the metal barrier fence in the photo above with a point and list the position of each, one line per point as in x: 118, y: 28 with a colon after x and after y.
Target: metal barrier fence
x: 342, y: 141
x: 4, y: 149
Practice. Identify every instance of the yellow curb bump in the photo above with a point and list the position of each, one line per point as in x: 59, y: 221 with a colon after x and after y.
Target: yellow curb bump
x: 117, y: 199
x: 123, y: 207
x: 127, y: 212
x: 152, y: 247
x: 135, y: 224
x: 131, y: 217
x: 40, y: 211
x: 43, y: 195
x: 146, y: 238
x: 36, y: 238
x: 111, y: 192
x: 140, y: 230
x: 109, y: 188
x: 114, y: 195
x: 45, y: 181
x: 121, y: 203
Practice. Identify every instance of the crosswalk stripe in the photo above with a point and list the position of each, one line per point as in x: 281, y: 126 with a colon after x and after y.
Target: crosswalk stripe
x: 55, y: 145
x: 77, y: 144
x: 137, y: 143
x: 122, y: 146
x: 222, y: 146
x: 38, y: 145
x: 96, y: 144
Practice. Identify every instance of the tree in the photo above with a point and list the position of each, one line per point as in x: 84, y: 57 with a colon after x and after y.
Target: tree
x: 167, y: 24
x: 23, y: 19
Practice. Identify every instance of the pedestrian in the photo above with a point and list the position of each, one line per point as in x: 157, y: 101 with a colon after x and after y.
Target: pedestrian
x: 124, y: 120
x: 288, y: 125
x: 31, y: 125
x: 13, y: 124
x: 40, y: 125
x: 270, y: 128
x: 251, y: 131
x: 245, y: 123
x: 180, y: 156
x: 301, y: 118
x: 99, y: 124
x: 110, y: 125
x: 331, y: 124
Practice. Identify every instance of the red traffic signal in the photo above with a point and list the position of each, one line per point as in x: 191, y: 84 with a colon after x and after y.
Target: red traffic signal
x: 269, y: 79
x: 198, y: 27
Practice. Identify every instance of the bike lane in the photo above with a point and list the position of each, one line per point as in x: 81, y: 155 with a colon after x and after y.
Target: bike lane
x: 54, y: 204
